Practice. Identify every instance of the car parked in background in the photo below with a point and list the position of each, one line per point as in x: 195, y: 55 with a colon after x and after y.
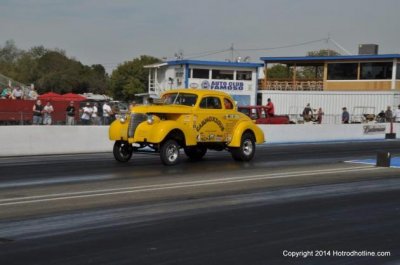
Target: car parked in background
x: 260, y: 116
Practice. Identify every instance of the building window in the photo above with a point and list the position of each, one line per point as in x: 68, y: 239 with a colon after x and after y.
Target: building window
x: 398, y: 71
x: 376, y: 70
x: 222, y: 74
x: 342, y: 71
x: 243, y: 75
x: 201, y: 73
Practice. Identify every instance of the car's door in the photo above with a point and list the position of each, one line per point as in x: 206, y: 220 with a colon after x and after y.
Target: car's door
x: 209, y: 124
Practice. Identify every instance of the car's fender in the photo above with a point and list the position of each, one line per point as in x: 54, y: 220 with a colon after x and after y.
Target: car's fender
x: 156, y: 133
x: 243, y: 126
x: 118, y: 131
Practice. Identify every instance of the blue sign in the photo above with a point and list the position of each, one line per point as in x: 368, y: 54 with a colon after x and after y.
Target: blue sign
x: 222, y: 85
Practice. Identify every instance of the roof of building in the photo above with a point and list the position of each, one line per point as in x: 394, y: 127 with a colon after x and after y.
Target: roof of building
x: 215, y: 63
x: 330, y: 58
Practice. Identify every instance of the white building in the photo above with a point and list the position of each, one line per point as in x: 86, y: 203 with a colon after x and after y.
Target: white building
x: 239, y: 79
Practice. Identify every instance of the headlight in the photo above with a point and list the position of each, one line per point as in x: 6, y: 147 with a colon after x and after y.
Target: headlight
x: 122, y: 119
x: 150, y: 119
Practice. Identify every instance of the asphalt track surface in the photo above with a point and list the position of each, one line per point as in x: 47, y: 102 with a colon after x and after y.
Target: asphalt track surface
x: 291, y: 200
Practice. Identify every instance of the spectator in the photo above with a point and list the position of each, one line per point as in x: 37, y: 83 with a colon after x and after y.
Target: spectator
x: 95, y: 115
x: 107, y: 112
x: 6, y: 93
x: 320, y: 113
x: 381, y: 116
x: 307, y: 113
x: 87, y: 114
x: 345, y: 116
x: 17, y: 93
x: 47, y: 110
x: 32, y: 95
x: 388, y: 114
x: 37, y: 113
x: 397, y: 114
x: 70, y: 114
x: 270, y: 108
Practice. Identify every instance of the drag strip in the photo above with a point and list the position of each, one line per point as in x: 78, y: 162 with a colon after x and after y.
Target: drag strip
x: 178, y: 185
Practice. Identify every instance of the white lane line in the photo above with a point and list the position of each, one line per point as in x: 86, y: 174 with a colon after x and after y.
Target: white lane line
x: 158, y: 187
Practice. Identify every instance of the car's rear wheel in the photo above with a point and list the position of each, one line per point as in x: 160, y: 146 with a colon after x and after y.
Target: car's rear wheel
x: 122, y: 151
x: 169, y: 152
x: 246, y: 150
x: 195, y: 152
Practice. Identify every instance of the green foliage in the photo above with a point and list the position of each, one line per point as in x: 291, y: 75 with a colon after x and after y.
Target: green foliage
x: 323, y: 52
x: 51, y: 70
x: 131, y: 78
x: 279, y: 71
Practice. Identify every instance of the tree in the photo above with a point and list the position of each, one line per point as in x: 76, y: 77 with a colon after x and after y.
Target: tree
x: 323, y: 52
x: 131, y: 78
x: 315, y: 72
x: 51, y: 70
x: 279, y: 71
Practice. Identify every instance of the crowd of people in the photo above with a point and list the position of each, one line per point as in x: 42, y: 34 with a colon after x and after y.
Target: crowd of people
x: 316, y: 115
x: 89, y: 114
x: 18, y: 93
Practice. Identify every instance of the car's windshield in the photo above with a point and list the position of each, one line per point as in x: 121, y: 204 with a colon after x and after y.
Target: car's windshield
x: 179, y: 99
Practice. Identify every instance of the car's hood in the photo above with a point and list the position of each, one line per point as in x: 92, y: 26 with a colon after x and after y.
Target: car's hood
x: 179, y: 109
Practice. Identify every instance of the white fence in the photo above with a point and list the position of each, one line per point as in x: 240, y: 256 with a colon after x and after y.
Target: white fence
x: 45, y: 140
x: 331, y: 102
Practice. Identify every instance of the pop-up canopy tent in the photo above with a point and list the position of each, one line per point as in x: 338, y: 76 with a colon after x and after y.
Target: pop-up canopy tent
x: 51, y: 96
x: 73, y: 97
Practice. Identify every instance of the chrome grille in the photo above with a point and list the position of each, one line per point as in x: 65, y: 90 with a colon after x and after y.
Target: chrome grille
x: 136, y: 119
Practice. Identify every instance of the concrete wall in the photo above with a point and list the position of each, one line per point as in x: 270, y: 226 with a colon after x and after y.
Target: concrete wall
x: 44, y: 140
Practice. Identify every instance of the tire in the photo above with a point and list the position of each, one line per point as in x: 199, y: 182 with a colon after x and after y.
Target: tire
x: 169, y: 152
x: 195, y: 153
x: 122, y: 151
x: 246, y: 150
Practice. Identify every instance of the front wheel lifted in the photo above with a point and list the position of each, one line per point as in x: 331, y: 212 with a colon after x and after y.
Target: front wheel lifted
x: 122, y: 151
x: 246, y: 150
x: 169, y: 152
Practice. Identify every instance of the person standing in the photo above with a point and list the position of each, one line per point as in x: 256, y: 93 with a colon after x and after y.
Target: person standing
x: 86, y: 114
x: 388, y: 114
x: 106, y: 113
x: 345, y: 116
x: 47, y: 110
x: 320, y: 113
x: 307, y: 113
x: 397, y: 114
x: 95, y: 115
x: 270, y: 108
x: 37, y: 113
x: 70, y: 114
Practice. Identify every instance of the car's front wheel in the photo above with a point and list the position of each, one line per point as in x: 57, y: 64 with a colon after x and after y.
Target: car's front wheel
x: 169, y: 152
x: 122, y: 151
x: 246, y: 150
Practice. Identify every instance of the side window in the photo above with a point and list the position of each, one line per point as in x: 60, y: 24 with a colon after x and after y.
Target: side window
x: 210, y: 103
x: 228, y: 104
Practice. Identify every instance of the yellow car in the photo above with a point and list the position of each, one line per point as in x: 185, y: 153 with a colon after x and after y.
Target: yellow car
x: 189, y: 119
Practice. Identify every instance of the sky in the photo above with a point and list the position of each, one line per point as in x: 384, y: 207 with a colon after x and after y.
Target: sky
x: 111, y: 32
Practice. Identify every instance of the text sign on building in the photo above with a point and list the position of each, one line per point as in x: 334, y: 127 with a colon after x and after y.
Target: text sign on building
x: 222, y: 85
